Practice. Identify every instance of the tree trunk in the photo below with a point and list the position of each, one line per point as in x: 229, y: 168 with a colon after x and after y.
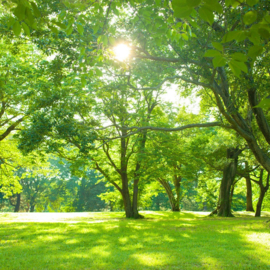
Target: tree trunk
x: 135, y: 199
x: 177, y: 185
x: 18, y: 203
x: 81, y: 203
x: 249, y: 206
x: 173, y: 202
x: 137, y: 179
x: 126, y: 196
x: 229, y: 172
x: 32, y: 207
x: 260, y: 201
x: 263, y: 190
x: 231, y: 193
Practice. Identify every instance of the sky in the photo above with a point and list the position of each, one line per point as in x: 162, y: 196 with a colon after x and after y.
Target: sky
x: 174, y: 97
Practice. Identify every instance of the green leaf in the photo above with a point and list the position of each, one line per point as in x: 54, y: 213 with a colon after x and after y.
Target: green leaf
x: 214, y: 5
x: 236, y: 3
x: 95, y: 28
x: 83, y: 81
x: 62, y: 15
x: 19, y: 12
x: 240, y: 65
x: 264, y: 103
x: 69, y: 30
x: 264, y: 33
x: 254, y: 37
x: 184, y: 36
x: 61, y: 25
x: 26, y: 29
x: 217, y: 46
x: 230, y: 36
x: 29, y: 16
x: 82, y: 51
x: 252, y: 2
x: 181, y: 9
x: 228, y: 3
x: 206, y: 14
x: 266, y: 19
x: 212, y: 53
x: 10, y: 22
x: 71, y: 21
x: 219, y: 61
x: 53, y: 29
x: 35, y: 9
x: 242, y: 35
x: 16, y: 28
x: 80, y: 29
x: 236, y: 71
x: 250, y: 17
x: 239, y: 57
x: 99, y: 73
x: 193, y: 3
x: 104, y: 40
x: 255, y: 51
x: 112, y: 40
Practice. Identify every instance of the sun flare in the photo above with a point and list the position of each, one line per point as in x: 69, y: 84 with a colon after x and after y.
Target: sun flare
x: 121, y: 51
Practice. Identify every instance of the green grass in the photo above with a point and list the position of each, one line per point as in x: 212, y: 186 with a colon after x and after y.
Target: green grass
x: 162, y: 240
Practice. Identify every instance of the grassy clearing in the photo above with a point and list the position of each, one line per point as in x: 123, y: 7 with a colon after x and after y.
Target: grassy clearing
x: 162, y: 240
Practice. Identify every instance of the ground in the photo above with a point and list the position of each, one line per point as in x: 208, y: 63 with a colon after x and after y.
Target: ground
x: 162, y: 240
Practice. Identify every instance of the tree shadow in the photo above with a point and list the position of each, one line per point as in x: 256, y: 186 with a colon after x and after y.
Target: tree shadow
x: 135, y: 244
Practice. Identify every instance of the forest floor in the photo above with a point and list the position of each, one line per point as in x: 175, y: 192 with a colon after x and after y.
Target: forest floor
x: 162, y: 240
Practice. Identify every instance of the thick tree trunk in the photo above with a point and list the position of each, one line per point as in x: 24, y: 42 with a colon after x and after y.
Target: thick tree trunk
x: 249, y: 206
x: 137, y: 179
x: 229, y: 172
x: 126, y: 197
x: 238, y: 123
x: 231, y: 193
x: 135, y: 199
x: 18, y: 203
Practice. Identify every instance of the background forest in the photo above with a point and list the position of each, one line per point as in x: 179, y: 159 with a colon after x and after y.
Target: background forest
x: 85, y: 121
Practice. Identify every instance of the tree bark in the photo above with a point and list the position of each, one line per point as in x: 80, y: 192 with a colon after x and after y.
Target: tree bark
x: 177, y: 185
x: 173, y: 201
x: 81, y: 203
x: 135, y: 198
x: 18, y: 203
x: 126, y: 196
x: 229, y: 172
x: 259, y: 204
x: 137, y: 179
x: 238, y: 123
x: 263, y: 190
x: 32, y: 207
x: 249, y: 206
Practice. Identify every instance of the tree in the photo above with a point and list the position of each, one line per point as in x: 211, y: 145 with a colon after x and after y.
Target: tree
x: 256, y: 175
x: 219, y: 68
x: 184, y: 52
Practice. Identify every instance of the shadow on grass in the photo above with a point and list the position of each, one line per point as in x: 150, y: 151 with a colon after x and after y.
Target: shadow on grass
x: 136, y: 244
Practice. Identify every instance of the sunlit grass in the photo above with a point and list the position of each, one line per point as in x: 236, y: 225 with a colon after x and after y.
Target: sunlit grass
x: 163, y: 240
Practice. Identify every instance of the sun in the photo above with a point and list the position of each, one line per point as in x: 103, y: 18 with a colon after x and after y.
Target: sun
x: 121, y: 51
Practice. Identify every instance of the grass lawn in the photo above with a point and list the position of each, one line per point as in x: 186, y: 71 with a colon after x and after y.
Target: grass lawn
x: 162, y: 240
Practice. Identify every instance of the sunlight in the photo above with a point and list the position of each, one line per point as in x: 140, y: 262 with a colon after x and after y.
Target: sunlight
x: 121, y: 51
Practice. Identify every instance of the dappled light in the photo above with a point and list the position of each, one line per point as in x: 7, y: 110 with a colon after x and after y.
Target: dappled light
x: 134, y: 134
x: 180, y: 242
